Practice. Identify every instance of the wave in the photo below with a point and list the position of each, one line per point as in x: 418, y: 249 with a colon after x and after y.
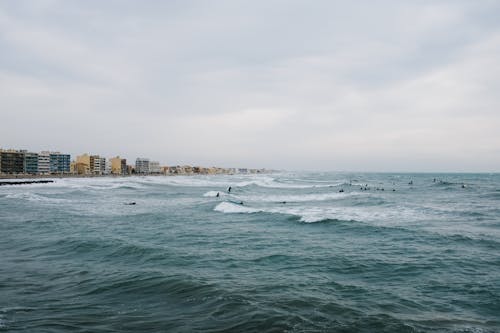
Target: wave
x: 386, y: 216
x: 227, y: 207
x: 214, y: 181
x: 302, y: 198
x: 101, y: 184
x: 35, y: 197
x: 239, y: 181
x: 492, y: 195
x: 214, y: 194
x: 274, y: 183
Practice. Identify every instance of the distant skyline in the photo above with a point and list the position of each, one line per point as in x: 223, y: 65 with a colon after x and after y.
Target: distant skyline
x: 296, y: 85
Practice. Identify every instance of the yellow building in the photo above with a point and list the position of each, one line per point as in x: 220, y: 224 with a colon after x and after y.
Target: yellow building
x: 82, y: 164
x: 116, y: 165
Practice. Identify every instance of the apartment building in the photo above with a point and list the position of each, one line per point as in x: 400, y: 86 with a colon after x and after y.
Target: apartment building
x: 95, y: 164
x: 31, y: 163
x: 11, y: 161
x: 154, y: 167
x: 59, y: 163
x: 44, y: 163
x: 142, y: 165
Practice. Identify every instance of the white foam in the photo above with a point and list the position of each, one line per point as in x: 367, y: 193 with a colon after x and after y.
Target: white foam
x: 34, y: 197
x: 214, y: 181
x: 270, y: 182
x: 302, y: 198
x: 100, y: 183
x: 214, y: 194
x: 227, y: 207
x: 382, y: 216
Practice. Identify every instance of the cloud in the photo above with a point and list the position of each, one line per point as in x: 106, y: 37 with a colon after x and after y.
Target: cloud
x: 274, y: 84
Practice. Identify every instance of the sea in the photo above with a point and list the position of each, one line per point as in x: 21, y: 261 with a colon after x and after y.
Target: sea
x: 280, y: 252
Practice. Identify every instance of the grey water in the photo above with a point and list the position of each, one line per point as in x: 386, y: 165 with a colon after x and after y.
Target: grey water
x: 305, y: 252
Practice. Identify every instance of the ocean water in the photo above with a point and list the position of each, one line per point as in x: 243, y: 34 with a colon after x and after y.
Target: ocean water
x: 297, y: 256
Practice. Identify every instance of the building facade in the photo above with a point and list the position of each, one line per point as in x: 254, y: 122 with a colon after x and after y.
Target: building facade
x: 59, y: 163
x: 154, y: 167
x: 116, y: 165
x: 44, y: 163
x: 31, y: 163
x: 12, y: 161
x: 82, y: 165
x: 95, y: 164
x: 142, y: 165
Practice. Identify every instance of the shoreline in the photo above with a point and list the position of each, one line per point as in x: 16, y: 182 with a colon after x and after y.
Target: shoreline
x: 61, y: 176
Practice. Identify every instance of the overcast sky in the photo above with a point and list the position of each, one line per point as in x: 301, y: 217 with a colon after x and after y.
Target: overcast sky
x: 297, y: 85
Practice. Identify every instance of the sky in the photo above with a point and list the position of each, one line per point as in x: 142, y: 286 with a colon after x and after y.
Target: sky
x: 296, y: 85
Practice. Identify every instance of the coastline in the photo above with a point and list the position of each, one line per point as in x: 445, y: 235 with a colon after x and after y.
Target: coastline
x: 60, y: 176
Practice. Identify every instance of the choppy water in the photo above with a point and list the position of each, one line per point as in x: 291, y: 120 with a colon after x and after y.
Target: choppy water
x: 298, y: 256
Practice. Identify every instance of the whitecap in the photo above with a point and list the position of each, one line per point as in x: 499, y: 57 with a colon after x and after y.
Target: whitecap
x: 383, y: 216
x: 303, y: 197
x: 214, y: 194
x: 227, y: 207
x: 34, y: 197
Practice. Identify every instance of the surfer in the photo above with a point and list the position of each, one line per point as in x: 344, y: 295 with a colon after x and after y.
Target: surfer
x: 229, y: 189
x: 341, y: 190
x: 130, y: 203
x: 217, y: 194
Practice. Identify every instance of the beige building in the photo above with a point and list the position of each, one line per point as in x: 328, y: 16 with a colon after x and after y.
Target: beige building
x: 116, y: 165
x: 95, y: 164
x: 82, y: 165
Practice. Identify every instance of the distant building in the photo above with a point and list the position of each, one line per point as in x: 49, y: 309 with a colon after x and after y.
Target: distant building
x: 44, y: 163
x: 59, y: 163
x: 12, y: 161
x: 31, y: 163
x: 142, y: 165
x: 81, y: 168
x: 125, y: 168
x: 95, y: 164
x: 130, y: 169
x: 154, y: 167
x: 82, y: 165
x: 107, y: 166
x: 118, y: 166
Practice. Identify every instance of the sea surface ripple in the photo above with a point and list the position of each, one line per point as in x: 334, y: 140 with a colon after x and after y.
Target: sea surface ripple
x: 305, y: 252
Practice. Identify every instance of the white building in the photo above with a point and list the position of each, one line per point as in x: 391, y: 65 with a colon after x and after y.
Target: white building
x: 44, y: 162
x: 107, y: 166
x: 142, y: 165
x: 154, y: 167
x: 95, y: 164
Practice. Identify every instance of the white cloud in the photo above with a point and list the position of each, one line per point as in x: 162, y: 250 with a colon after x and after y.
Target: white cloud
x: 231, y: 83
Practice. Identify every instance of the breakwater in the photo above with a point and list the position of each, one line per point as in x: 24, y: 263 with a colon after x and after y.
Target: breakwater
x: 25, y: 182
